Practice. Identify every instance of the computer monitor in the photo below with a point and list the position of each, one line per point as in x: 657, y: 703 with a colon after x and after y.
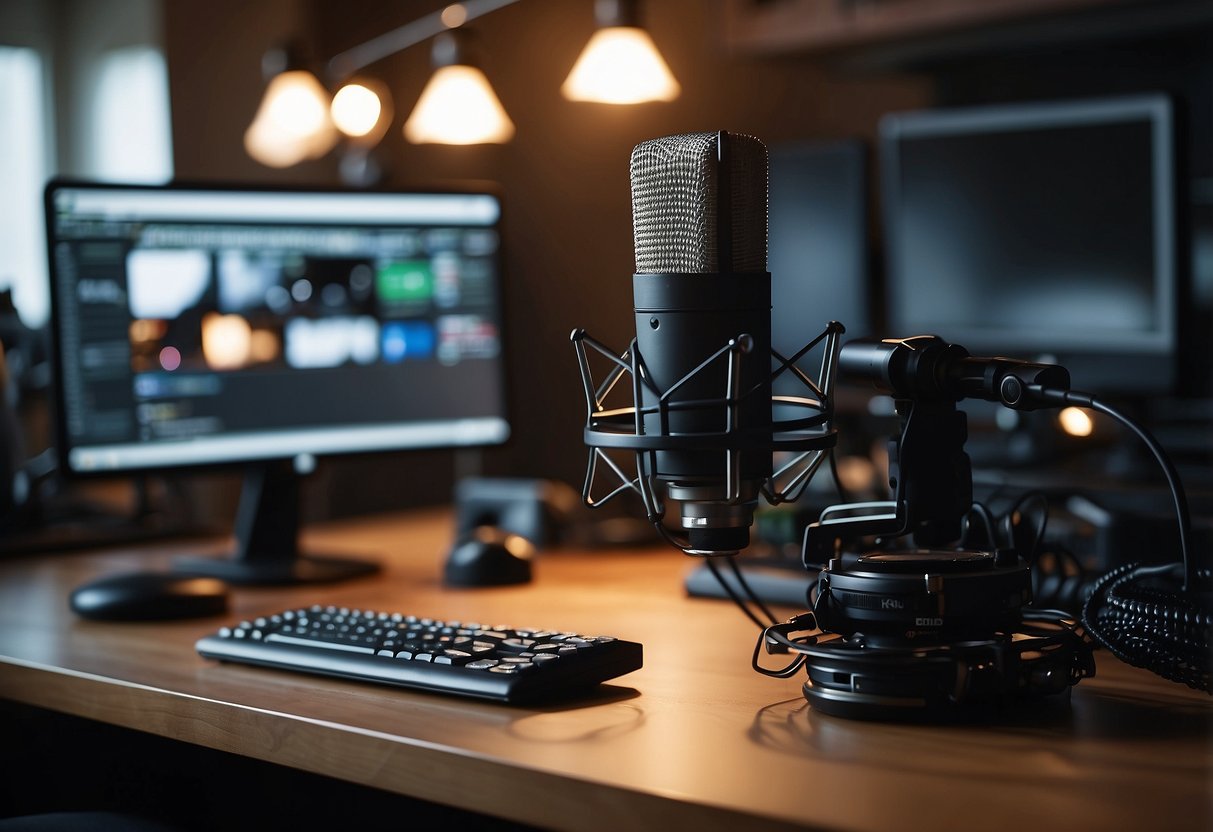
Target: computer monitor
x: 817, y: 241
x: 1041, y: 230
x: 209, y: 325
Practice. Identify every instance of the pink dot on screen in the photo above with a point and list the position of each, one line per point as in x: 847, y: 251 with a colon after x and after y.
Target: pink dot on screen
x: 170, y: 358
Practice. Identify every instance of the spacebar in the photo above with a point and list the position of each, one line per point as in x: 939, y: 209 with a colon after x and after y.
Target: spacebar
x: 278, y: 638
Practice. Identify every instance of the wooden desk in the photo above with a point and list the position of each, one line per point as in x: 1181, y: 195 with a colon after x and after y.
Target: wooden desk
x: 694, y: 740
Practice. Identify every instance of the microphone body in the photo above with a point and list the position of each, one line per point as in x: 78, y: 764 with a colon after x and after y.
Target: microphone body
x: 701, y: 421
x: 681, y: 321
x: 700, y: 224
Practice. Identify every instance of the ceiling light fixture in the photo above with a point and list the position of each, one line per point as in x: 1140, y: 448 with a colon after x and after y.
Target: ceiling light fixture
x: 297, y: 120
x: 458, y: 105
x: 292, y: 123
x: 620, y: 64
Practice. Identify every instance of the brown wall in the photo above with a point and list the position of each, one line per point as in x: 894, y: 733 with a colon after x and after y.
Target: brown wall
x: 564, y: 177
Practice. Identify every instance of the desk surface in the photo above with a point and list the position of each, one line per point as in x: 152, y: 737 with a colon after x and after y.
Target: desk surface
x: 696, y: 739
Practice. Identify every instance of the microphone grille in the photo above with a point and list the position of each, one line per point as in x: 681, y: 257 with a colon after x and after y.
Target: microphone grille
x: 699, y: 204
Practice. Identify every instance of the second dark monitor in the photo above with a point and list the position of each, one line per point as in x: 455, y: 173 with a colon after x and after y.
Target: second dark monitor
x: 818, y: 241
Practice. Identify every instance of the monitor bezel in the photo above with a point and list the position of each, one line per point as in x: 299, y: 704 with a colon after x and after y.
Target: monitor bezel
x: 304, y: 457
x: 1147, y: 362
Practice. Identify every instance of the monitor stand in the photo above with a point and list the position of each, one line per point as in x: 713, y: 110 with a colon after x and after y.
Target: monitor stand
x: 267, y: 538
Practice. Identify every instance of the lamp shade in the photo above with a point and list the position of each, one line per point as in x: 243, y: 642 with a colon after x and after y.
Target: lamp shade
x: 273, y: 148
x: 457, y: 106
x: 620, y: 65
x: 292, y: 122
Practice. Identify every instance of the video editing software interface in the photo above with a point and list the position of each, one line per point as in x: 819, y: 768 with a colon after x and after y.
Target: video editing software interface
x: 200, y: 325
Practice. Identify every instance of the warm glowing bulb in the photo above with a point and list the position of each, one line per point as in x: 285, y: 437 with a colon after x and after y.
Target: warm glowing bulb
x: 1075, y: 421
x: 356, y: 110
x: 458, y: 107
x: 292, y: 123
x: 272, y: 147
x: 454, y: 16
x: 621, y: 65
x: 297, y: 104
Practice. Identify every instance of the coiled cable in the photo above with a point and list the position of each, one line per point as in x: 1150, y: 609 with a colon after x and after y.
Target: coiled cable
x: 1156, y: 617
x: 1144, y: 617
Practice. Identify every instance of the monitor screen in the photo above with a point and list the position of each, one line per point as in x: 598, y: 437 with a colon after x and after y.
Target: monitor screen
x: 817, y: 240
x: 817, y: 246
x: 1043, y: 230
x: 196, y: 325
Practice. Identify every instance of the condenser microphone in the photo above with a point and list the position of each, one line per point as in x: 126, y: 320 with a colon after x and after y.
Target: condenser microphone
x: 699, y: 210
x: 700, y: 422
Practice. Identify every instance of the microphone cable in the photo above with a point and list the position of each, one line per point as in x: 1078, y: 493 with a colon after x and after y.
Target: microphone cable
x: 745, y: 590
x: 1060, y: 581
x: 1157, y: 617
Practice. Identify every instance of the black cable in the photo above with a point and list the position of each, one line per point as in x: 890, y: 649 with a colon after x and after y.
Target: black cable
x: 1156, y: 617
x: 987, y: 522
x: 775, y: 638
x: 1060, y: 580
x: 1146, y: 623
x: 1032, y: 550
x: 720, y: 579
x: 739, y: 574
x: 1177, y: 490
x: 1178, y: 498
x: 1058, y: 577
x: 750, y: 593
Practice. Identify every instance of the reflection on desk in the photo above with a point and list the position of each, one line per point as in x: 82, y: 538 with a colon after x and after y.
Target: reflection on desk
x: 695, y: 739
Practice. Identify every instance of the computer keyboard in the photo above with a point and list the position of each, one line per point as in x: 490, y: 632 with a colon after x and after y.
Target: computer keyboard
x: 506, y: 664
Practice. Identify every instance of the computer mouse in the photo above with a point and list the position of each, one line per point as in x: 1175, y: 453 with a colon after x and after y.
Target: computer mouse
x: 488, y: 556
x: 150, y: 596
